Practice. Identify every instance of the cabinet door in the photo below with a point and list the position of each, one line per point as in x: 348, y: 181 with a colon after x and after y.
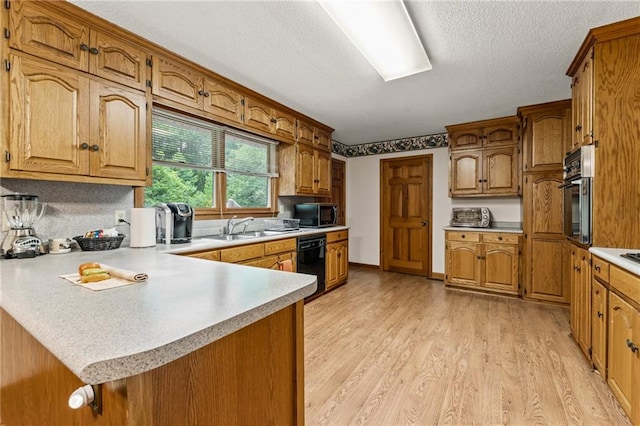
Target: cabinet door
x: 221, y: 100
x: 343, y: 261
x: 118, y: 60
x: 586, y: 100
x: 546, y: 137
x: 599, y: 298
x: 306, y: 133
x: 465, y: 139
x: 257, y: 115
x: 284, y: 126
x: 332, y: 265
x: 584, y: 309
x: 462, y: 263
x: 621, y: 360
x: 576, y: 295
x: 322, y: 173
x: 38, y: 29
x: 323, y: 139
x: 500, y: 135
x: 118, y: 132
x: 177, y: 82
x: 500, y: 171
x: 576, y: 108
x: 501, y: 271
x: 49, y: 118
x: 466, y: 173
x: 545, y: 260
x: 305, y: 174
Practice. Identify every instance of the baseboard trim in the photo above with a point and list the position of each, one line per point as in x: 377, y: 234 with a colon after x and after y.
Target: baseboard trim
x: 437, y: 276
x: 364, y: 265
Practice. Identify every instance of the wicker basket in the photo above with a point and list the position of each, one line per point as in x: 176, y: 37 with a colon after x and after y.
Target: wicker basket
x: 96, y: 244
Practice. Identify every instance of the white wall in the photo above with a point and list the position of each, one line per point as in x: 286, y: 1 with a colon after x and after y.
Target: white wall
x: 363, y: 205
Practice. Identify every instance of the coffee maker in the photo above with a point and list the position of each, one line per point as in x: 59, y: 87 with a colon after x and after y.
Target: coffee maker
x: 174, y: 223
x: 22, y: 212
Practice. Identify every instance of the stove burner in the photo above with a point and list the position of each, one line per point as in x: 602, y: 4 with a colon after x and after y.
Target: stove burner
x: 632, y: 256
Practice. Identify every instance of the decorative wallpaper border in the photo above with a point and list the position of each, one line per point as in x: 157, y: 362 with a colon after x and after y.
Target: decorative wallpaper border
x: 415, y: 143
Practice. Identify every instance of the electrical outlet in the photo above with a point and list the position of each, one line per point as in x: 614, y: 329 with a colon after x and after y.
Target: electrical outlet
x: 119, y: 214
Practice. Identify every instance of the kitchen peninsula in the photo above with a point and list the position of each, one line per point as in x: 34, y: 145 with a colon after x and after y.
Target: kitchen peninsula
x: 200, y: 342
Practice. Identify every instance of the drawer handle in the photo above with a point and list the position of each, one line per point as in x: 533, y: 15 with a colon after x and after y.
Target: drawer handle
x: 462, y: 235
x: 597, y: 268
x: 500, y: 238
x: 600, y: 314
x: 632, y: 346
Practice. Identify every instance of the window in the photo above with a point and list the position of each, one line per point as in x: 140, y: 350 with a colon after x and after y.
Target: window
x: 213, y: 168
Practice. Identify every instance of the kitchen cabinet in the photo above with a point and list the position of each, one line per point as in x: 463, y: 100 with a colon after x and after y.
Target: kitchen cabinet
x: 179, y: 82
x: 337, y: 258
x: 484, y: 134
x: 262, y: 116
x: 485, y: 172
x: 582, y: 96
x: 304, y: 170
x: 610, y: 112
x: 313, y: 136
x: 581, y: 298
x: 599, y: 315
x: 483, y: 260
x: 46, y: 31
x: 65, y: 125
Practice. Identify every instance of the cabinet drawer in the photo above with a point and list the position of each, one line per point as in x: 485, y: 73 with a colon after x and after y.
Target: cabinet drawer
x: 280, y: 246
x: 337, y: 236
x: 626, y: 283
x: 463, y: 236
x: 600, y: 269
x: 208, y: 255
x: 500, y: 238
x: 238, y: 254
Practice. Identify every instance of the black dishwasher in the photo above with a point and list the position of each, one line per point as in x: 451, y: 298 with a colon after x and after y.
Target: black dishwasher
x: 311, y: 258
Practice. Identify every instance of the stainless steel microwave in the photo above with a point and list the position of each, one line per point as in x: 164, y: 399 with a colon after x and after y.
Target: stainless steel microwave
x: 315, y: 215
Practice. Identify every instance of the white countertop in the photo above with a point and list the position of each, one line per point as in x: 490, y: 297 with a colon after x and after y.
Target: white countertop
x: 613, y: 255
x: 186, y: 304
x: 504, y: 229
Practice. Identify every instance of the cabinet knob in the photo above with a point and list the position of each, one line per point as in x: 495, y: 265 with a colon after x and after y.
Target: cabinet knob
x: 632, y: 346
x: 597, y: 268
x: 95, y: 148
x: 600, y: 315
x: 94, y: 51
x: 578, y: 128
x: 273, y: 120
x: 201, y: 92
x: 84, y: 47
x: 499, y: 238
x: 206, y: 94
x: 84, y: 146
x: 463, y: 236
x: 80, y: 397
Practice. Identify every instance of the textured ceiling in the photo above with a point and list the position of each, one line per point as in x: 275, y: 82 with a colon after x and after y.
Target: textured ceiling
x: 488, y: 57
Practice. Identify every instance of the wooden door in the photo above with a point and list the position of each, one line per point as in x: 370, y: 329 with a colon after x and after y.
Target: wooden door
x: 466, y: 173
x: 465, y: 139
x: 257, y: 115
x: 620, y: 358
x: 284, y: 125
x: 338, y: 183
x: 38, y: 29
x: 547, y: 134
x: 118, y: 60
x: 500, y: 135
x: 500, y: 171
x: 463, y: 264
x: 322, y: 169
x: 305, y: 159
x: 177, y: 82
x: 49, y: 118
x: 118, y: 132
x: 501, y: 271
x: 545, y: 260
x: 584, y: 288
x: 599, y: 315
x: 223, y: 101
x: 406, y: 215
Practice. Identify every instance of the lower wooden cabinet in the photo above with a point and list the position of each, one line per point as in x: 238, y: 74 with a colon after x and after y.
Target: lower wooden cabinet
x: 599, y: 316
x: 581, y: 298
x: 337, y: 259
x: 483, y: 260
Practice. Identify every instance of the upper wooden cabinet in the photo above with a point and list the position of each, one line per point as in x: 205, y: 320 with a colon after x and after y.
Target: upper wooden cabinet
x: 304, y: 170
x: 65, y: 123
x: 582, y: 98
x: 313, y: 136
x: 41, y: 29
x: 264, y: 117
x: 487, y: 133
x: 484, y: 158
x: 610, y: 54
x: 546, y: 135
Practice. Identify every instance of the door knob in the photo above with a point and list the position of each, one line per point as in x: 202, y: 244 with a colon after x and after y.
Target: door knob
x: 423, y: 223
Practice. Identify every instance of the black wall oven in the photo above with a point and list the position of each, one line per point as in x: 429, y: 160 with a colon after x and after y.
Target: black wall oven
x: 578, y: 187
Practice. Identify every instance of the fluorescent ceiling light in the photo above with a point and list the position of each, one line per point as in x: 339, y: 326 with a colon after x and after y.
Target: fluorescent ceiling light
x: 383, y: 32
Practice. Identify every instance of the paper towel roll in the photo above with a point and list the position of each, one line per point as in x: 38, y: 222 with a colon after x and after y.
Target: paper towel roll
x: 143, y: 228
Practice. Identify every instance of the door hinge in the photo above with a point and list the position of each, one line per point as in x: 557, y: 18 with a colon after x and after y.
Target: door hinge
x: 242, y: 101
x: 590, y: 262
x: 147, y: 104
x: 149, y: 84
x: 7, y: 65
x: 149, y: 62
x: 525, y: 235
x: 519, y: 252
x: 524, y: 123
x: 7, y: 33
x: 592, y: 54
x: 242, y: 116
x: 147, y: 171
x: 518, y: 189
x: 525, y: 291
x: 526, y: 180
x: 7, y: 4
x: 590, y: 351
x: 596, y: 143
x: 7, y: 156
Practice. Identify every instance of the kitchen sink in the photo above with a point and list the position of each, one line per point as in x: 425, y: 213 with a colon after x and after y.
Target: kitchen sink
x: 242, y: 236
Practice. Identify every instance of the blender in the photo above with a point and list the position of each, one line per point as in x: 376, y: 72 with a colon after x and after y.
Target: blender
x: 22, y: 212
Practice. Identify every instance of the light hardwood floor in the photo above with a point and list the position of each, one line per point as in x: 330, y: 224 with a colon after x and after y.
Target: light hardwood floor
x: 391, y: 349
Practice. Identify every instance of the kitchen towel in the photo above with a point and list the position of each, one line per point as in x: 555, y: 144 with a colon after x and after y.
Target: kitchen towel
x: 286, y: 265
x: 143, y: 228
x: 119, y: 278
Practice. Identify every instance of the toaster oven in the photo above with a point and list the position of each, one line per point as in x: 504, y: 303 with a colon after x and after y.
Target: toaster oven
x: 476, y: 217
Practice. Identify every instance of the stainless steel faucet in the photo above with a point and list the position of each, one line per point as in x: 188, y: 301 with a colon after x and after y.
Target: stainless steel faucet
x: 231, y: 224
